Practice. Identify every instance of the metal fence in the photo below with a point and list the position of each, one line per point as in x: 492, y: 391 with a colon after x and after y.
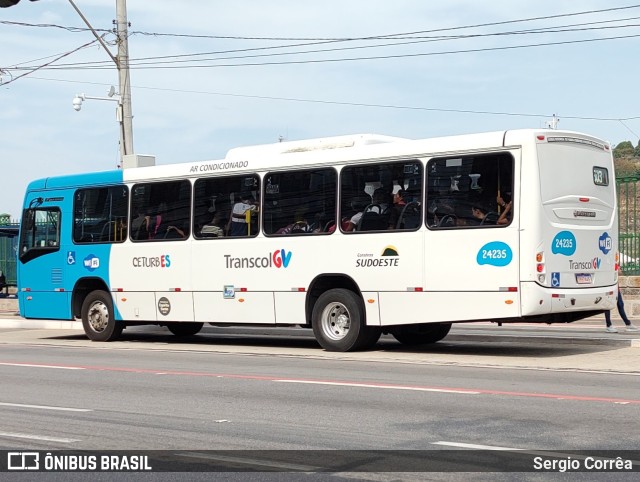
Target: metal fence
x: 9, y: 253
x: 629, y: 240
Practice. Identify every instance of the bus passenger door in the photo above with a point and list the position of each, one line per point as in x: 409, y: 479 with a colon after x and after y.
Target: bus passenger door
x: 43, y: 292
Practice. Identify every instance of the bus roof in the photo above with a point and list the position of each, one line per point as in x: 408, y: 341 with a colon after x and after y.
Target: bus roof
x: 307, y: 152
x: 307, y: 145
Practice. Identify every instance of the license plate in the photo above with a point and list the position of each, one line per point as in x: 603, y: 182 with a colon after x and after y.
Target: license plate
x: 584, y: 278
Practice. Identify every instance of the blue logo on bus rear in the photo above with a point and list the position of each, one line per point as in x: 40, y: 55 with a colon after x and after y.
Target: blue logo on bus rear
x: 605, y: 243
x: 495, y: 253
x: 564, y: 243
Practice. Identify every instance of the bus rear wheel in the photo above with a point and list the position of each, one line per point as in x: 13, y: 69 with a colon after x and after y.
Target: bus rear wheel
x: 185, y: 329
x: 338, y: 322
x: 420, y: 334
x: 97, y: 317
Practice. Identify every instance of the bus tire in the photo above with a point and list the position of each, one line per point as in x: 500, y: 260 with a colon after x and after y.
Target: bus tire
x: 338, y: 322
x: 97, y: 317
x: 185, y: 329
x: 420, y: 334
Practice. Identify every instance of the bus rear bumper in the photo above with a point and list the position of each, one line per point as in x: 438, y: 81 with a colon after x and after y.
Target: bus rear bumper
x: 539, y: 300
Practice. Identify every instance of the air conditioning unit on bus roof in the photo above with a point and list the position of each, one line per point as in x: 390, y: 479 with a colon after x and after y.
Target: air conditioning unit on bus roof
x: 137, y: 160
x: 308, y: 145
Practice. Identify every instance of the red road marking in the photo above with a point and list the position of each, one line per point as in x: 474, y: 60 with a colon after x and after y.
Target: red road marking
x: 342, y: 383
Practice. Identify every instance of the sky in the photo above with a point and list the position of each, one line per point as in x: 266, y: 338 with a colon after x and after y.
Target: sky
x: 211, y: 75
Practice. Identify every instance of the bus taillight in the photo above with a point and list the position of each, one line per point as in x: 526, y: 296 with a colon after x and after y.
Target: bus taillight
x: 540, y: 267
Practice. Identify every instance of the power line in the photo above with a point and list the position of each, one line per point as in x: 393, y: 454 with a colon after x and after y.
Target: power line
x: 351, y: 59
x: 331, y: 40
x: 377, y: 37
x: 44, y: 66
x: 343, y: 39
x: 561, y: 29
x: 348, y: 104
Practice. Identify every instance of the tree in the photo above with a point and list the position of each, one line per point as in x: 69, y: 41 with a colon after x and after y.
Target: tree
x: 10, y: 3
x: 623, y: 149
x: 636, y: 151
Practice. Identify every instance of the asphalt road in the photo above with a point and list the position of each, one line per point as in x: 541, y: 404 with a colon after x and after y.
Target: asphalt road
x: 531, y: 389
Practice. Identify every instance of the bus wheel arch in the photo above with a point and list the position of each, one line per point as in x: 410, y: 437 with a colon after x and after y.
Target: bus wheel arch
x: 325, y: 282
x: 83, y: 287
x: 335, y: 309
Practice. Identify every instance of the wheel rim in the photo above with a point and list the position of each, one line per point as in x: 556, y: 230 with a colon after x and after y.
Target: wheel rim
x: 98, y: 316
x: 335, y: 321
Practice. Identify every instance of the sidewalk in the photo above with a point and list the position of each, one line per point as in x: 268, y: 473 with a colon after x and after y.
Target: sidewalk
x: 582, y: 346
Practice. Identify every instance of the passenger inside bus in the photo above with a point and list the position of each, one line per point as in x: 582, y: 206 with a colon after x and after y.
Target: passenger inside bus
x: 174, y: 232
x: 399, y: 204
x: 505, y: 214
x: 140, y: 226
x: 238, y: 225
x: 374, y: 216
x: 481, y: 215
x: 214, y: 228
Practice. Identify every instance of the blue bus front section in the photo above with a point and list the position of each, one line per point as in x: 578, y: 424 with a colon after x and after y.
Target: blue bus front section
x: 46, y: 281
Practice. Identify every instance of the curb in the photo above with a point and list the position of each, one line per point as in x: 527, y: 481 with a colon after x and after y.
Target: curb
x: 565, y: 340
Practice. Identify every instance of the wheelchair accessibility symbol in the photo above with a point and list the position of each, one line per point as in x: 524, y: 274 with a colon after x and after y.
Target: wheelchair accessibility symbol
x: 71, y: 257
x: 555, y: 280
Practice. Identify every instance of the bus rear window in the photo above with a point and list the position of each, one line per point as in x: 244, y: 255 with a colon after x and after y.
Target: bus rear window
x: 585, y: 167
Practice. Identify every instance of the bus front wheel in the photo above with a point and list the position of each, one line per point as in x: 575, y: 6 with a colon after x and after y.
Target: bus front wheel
x: 185, y: 329
x: 420, y: 334
x: 338, y: 322
x: 97, y: 317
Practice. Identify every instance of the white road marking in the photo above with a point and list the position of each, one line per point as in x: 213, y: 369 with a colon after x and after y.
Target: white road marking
x: 389, y: 387
x: 45, y: 407
x: 477, y: 447
x: 38, y: 437
x: 29, y: 365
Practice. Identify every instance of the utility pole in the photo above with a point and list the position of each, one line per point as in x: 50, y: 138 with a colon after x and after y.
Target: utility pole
x: 123, y: 76
x: 124, y: 114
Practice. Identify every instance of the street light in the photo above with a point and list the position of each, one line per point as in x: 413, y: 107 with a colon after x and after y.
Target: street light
x: 112, y: 96
x: 79, y: 98
x: 127, y: 160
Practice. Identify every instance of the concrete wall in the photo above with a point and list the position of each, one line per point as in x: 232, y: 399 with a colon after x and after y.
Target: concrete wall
x: 630, y: 287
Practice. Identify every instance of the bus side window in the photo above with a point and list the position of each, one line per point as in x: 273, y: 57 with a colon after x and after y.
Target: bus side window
x: 214, y: 201
x: 300, y: 202
x: 100, y: 215
x: 369, y: 200
x: 469, y: 191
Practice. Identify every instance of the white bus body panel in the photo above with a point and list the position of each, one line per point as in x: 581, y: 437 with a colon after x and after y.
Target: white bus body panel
x: 404, y: 277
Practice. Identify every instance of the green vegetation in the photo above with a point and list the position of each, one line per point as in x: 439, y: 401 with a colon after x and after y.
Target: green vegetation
x: 627, y: 159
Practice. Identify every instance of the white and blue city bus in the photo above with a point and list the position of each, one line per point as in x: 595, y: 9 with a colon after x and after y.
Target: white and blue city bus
x: 512, y: 226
